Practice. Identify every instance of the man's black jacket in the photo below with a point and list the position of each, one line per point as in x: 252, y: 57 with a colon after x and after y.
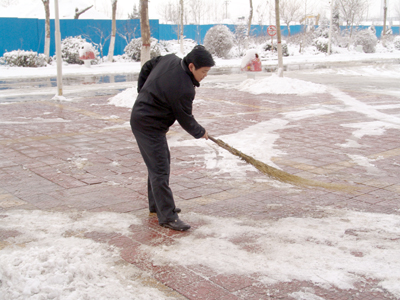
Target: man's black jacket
x: 165, y: 94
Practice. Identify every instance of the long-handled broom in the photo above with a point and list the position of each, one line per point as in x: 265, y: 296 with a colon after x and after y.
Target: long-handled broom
x: 278, y: 174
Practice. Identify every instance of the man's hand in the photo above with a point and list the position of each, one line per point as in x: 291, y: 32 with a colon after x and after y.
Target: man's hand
x: 205, y: 136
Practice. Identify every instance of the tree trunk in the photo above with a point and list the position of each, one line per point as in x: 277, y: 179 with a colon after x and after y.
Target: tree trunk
x: 384, y: 18
x: 278, y: 30
x: 46, y: 4
x: 78, y: 13
x: 113, y: 31
x: 249, y: 25
x: 181, y: 33
x: 145, y: 31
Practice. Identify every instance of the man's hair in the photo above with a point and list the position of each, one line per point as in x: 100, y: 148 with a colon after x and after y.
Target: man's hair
x: 200, y: 57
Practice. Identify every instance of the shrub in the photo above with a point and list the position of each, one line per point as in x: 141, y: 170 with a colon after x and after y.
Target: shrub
x: 219, y: 40
x: 134, y: 48
x: 70, y: 49
x: 20, y: 58
x: 321, y: 44
x: 367, y: 39
x: 268, y: 47
x: 396, y: 42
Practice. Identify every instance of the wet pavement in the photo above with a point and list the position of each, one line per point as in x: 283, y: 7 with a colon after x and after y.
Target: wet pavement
x: 81, y: 156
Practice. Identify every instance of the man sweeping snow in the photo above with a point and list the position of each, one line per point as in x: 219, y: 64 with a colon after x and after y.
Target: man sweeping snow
x: 166, y: 90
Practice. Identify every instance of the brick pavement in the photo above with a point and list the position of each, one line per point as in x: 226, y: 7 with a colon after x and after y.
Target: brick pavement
x: 68, y: 156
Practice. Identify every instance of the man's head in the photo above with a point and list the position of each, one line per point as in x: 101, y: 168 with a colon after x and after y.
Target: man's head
x: 199, y: 61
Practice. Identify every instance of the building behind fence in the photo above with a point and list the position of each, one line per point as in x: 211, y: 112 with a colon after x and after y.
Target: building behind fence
x: 29, y: 34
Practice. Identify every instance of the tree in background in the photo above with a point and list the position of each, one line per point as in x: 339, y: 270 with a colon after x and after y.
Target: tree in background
x: 353, y: 12
x: 7, y: 3
x: 397, y: 10
x: 79, y: 12
x: 135, y: 13
x: 249, y: 24
x: 290, y: 11
x: 113, y: 30
x: 181, y: 7
x: 46, y: 4
x: 145, y: 30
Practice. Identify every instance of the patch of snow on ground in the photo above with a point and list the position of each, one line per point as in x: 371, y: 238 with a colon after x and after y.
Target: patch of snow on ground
x: 370, y: 128
x: 257, y: 141
x: 337, y: 250
x: 52, y: 259
x: 280, y: 85
x: 126, y: 98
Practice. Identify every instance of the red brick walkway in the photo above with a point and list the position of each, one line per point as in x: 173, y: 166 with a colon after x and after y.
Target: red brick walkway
x: 66, y: 156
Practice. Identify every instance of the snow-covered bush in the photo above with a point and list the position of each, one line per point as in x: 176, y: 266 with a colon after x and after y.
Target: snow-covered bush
x: 20, y: 58
x: 367, y: 39
x: 134, y: 48
x: 219, y: 40
x: 323, y: 29
x: 240, y: 38
x: 321, y: 44
x: 70, y: 49
x: 396, y: 42
x: 268, y: 47
x: 173, y: 46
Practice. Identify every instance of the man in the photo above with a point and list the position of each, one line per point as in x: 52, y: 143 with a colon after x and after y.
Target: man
x: 166, y: 90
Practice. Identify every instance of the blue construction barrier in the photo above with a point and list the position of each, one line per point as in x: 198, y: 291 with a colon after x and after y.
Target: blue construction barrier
x: 29, y: 34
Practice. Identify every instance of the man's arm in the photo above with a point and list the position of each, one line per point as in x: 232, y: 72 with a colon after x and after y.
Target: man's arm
x: 145, y: 71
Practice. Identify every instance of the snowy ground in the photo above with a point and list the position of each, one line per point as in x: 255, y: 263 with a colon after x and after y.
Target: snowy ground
x: 58, y: 262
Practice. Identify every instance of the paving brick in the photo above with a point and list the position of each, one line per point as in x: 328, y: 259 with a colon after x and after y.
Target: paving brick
x: 38, y: 170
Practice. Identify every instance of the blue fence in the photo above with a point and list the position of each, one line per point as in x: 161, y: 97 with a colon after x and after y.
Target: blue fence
x: 29, y: 34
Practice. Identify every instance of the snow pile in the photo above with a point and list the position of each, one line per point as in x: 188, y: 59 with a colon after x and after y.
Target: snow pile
x: 58, y: 262
x: 335, y: 249
x: 280, y: 85
x: 250, y: 55
x: 126, y: 98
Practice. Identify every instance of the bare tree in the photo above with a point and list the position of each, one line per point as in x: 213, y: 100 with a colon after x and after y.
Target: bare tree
x: 102, y: 38
x: 397, y: 10
x: 7, y: 3
x: 181, y: 25
x: 249, y: 24
x: 278, y: 29
x: 79, y: 12
x: 135, y: 14
x: 113, y: 30
x: 384, y: 17
x: 46, y: 4
x: 290, y: 11
x: 169, y: 12
x: 261, y: 12
x: 197, y: 10
x: 353, y: 11
x: 145, y: 30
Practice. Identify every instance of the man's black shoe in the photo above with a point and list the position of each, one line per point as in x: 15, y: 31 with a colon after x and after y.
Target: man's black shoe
x: 178, y: 225
x: 177, y: 210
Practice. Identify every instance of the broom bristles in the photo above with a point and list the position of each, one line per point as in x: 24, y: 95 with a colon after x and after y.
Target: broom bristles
x: 279, y: 174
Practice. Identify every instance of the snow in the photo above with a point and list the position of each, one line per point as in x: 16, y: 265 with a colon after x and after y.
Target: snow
x: 250, y: 55
x: 335, y: 249
x: 58, y: 262
x: 280, y: 85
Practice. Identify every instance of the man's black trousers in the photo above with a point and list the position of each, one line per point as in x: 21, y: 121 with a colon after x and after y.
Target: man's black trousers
x: 155, y: 153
